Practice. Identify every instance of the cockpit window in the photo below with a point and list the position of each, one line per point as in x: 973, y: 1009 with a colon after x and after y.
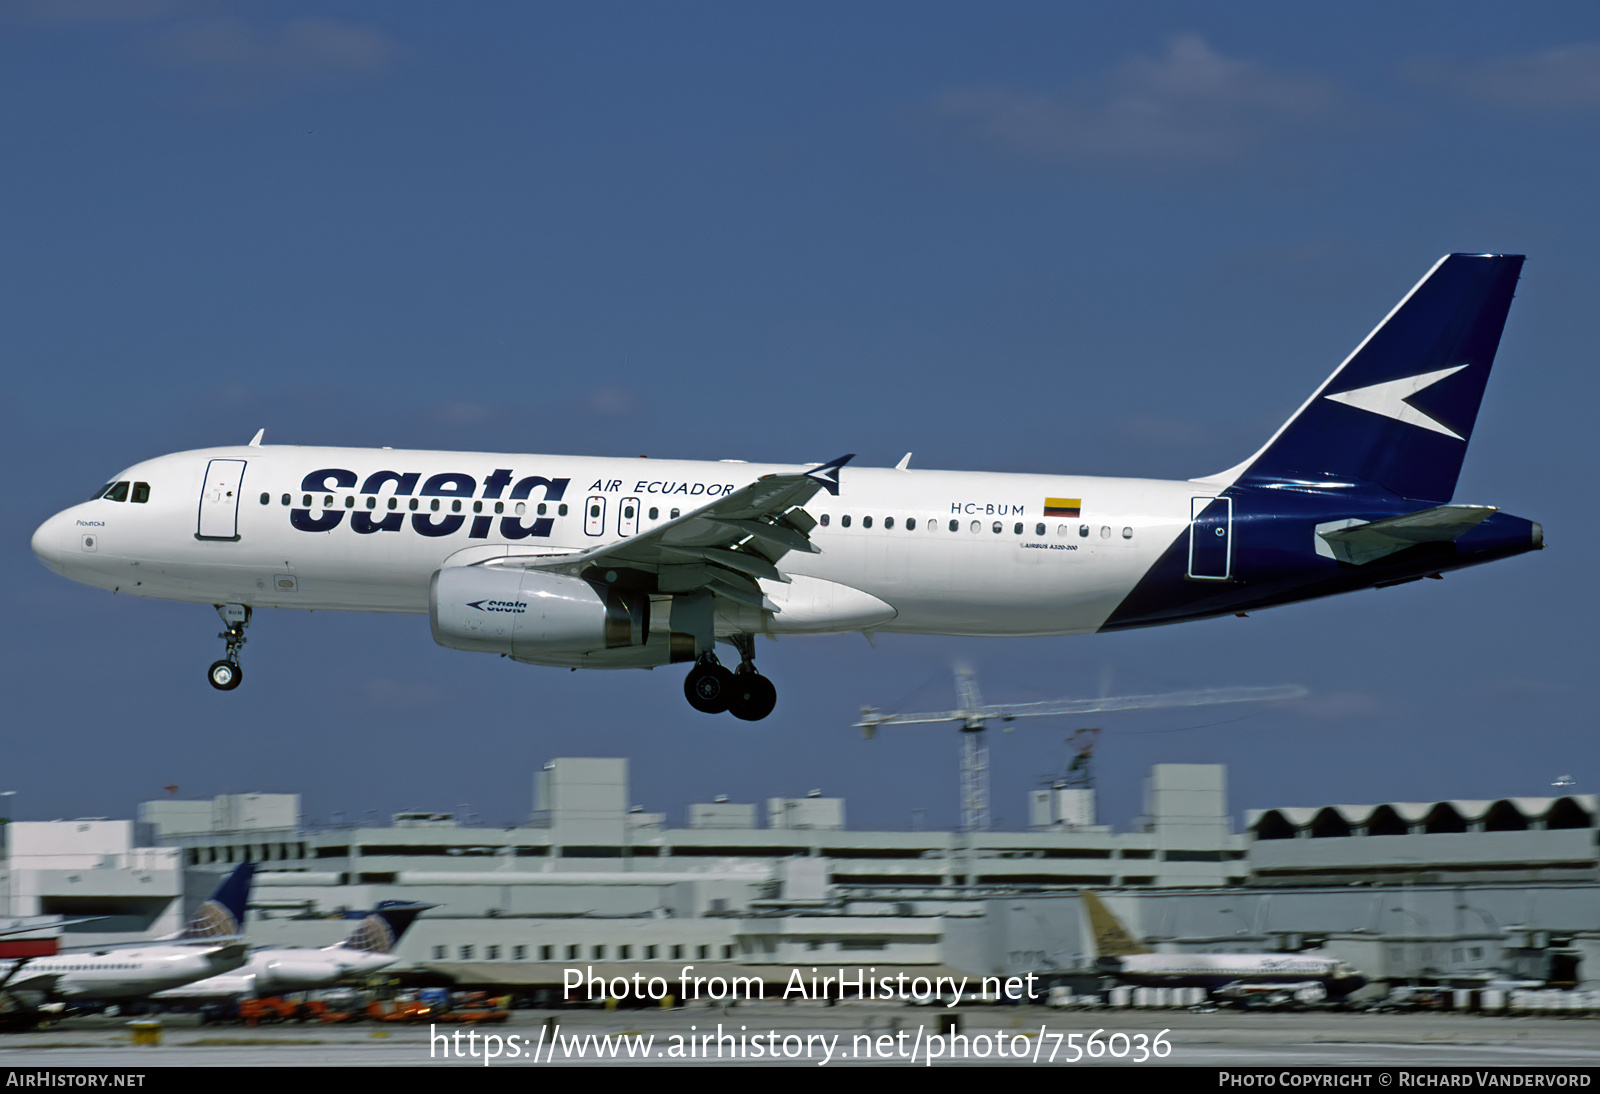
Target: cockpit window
x: 100, y: 493
x: 141, y: 492
x: 118, y: 492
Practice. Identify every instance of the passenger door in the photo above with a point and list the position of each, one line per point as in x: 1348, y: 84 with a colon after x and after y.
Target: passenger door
x: 219, y: 500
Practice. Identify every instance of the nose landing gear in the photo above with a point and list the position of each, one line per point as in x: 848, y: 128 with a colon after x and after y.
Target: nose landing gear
x: 225, y: 675
x: 745, y: 693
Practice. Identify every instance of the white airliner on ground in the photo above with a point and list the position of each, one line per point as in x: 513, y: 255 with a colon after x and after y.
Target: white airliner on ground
x: 211, y: 944
x: 633, y: 563
x: 276, y: 970
x: 1307, y: 977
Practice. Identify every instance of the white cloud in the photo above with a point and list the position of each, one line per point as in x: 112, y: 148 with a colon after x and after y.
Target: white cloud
x: 240, y: 64
x: 1189, y: 105
x: 613, y: 402
x: 1564, y: 79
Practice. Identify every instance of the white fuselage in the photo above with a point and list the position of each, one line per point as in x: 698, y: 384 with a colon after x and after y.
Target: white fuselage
x: 1155, y: 967
x: 125, y: 974
x: 277, y: 970
x: 933, y: 552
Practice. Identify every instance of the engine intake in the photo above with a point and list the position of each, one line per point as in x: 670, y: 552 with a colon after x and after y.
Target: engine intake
x: 527, y: 613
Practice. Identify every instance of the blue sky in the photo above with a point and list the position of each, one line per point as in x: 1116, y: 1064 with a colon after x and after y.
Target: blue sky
x: 1108, y: 239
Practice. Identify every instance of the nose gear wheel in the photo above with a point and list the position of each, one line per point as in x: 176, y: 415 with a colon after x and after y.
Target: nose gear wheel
x: 225, y: 675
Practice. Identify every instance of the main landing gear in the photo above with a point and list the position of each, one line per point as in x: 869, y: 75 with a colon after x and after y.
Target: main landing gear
x: 745, y: 693
x: 225, y: 675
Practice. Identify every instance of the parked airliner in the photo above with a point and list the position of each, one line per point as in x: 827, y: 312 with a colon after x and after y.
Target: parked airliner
x: 590, y: 562
x: 1308, y: 977
x: 273, y: 970
x: 209, y: 945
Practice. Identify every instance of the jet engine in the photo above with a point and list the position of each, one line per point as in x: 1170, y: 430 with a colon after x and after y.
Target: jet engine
x: 530, y: 613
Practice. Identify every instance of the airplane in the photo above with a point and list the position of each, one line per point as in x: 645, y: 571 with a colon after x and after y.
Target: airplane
x: 275, y: 970
x: 80, y: 979
x: 1270, y: 978
x: 587, y: 562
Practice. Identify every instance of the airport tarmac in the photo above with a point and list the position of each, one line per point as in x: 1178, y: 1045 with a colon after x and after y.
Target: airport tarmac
x: 838, y: 1036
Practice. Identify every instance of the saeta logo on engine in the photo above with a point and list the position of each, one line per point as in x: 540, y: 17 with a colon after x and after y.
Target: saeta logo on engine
x: 514, y: 606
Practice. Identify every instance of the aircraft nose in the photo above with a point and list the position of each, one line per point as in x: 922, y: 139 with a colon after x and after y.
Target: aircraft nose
x: 54, y: 542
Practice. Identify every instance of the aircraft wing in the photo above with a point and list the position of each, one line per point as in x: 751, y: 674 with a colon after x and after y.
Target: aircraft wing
x: 722, y: 547
x: 43, y: 982
x: 1360, y: 544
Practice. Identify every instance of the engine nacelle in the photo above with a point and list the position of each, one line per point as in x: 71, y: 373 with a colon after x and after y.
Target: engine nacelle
x: 529, y: 613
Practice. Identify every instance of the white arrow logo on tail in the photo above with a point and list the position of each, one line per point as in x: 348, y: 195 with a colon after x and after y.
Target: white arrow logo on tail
x: 1389, y: 399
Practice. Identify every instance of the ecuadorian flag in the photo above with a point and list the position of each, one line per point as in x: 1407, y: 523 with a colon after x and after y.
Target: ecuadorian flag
x: 1062, y: 507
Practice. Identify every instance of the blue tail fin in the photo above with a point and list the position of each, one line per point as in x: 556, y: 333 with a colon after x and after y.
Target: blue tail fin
x: 222, y: 914
x: 380, y: 932
x: 1399, y: 411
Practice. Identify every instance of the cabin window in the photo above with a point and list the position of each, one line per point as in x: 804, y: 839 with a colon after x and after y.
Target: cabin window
x: 350, y: 502
x: 434, y: 505
x: 540, y: 510
x: 286, y: 499
x: 844, y: 521
x: 977, y: 526
x: 955, y: 526
x: 372, y: 502
x: 655, y: 514
x: 1127, y: 533
x: 455, y: 506
x: 305, y: 502
x: 327, y: 501
x: 521, y: 509
x: 141, y: 493
x: 265, y: 498
x: 1083, y: 530
x: 393, y: 502
x: 911, y: 524
x: 627, y: 512
x: 888, y: 522
x: 1018, y: 529
x: 1038, y: 529
x: 824, y: 520
x: 998, y: 527
x: 674, y: 512
x: 561, y: 510
x: 477, y: 507
x: 1105, y: 531
x: 594, y: 510
x: 414, y: 504
x: 499, y: 507
x: 866, y: 522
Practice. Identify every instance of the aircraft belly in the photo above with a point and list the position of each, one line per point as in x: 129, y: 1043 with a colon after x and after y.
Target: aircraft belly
x: 1036, y: 586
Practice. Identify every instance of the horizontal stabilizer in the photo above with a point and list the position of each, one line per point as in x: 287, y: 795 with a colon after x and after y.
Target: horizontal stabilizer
x: 1359, y: 543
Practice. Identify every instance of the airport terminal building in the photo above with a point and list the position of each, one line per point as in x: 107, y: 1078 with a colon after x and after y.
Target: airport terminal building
x: 1458, y: 892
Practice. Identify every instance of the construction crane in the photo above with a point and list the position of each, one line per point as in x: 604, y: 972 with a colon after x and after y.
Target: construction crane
x: 973, y: 717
